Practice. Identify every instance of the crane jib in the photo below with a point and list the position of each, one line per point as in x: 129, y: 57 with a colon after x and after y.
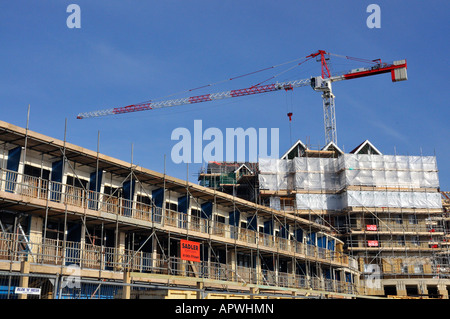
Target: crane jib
x: 398, y: 70
x: 200, y: 98
x: 255, y: 90
x: 132, y: 108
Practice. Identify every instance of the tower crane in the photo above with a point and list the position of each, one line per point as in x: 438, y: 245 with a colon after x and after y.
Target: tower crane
x: 322, y: 83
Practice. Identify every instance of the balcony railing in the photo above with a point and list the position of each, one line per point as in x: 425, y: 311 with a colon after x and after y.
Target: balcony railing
x: 88, y: 256
x: 398, y: 245
x: 385, y: 225
x: 35, y: 187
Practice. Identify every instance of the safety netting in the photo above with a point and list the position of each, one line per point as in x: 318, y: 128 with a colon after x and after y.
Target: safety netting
x: 408, y: 181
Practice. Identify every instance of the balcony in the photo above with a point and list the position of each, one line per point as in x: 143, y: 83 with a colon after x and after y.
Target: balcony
x: 395, y: 245
x: 89, y: 201
x: 87, y: 256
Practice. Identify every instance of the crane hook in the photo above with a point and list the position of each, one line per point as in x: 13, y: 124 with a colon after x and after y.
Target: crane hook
x: 290, y: 116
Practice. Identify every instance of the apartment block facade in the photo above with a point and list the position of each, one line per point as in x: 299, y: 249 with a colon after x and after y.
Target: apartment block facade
x: 149, y: 235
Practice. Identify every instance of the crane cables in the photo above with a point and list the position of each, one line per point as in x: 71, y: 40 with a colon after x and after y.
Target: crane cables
x: 147, y: 105
x: 238, y: 77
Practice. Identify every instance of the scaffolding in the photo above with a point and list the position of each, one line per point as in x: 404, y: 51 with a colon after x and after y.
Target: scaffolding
x: 386, y: 208
x: 83, y: 208
x: 234, y: 178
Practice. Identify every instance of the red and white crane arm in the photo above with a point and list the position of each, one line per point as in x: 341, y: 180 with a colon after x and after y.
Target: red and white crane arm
x: 319, y: 83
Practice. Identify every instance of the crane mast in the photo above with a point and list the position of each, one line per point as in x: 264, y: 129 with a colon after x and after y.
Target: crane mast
x: 329, y: 117
x: 319, y: 83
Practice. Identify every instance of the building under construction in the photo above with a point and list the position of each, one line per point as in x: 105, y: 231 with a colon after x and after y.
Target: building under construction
x: 387, y: 210
x: 315, y: 223
x: 79, y: 224
x: 238, y: 179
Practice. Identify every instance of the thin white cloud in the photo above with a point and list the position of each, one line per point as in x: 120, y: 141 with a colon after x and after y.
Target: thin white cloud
x: 388, y: 130
x: 118, y: 63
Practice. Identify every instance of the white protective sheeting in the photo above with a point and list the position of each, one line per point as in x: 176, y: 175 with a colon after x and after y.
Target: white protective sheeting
x: 393, y: 199
x: 303, y: 173
x: 316, y: 173
x: 319, y: 201
x: 275, y: 202
x: 368, y: 199
x: 306, y: 173
x: 389, y: 171
x: 276, y: 174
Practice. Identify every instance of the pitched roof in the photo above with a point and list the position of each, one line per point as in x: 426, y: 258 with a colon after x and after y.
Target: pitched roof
x: 332, y: 147
x: 239, y: 168
x: 228, y: 167
x: 293, y: 147
x: 366, y: 148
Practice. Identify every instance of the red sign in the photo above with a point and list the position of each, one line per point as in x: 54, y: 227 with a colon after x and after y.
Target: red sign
x: 372, y: 243
x: 371, y: 227
x: 190, y: 250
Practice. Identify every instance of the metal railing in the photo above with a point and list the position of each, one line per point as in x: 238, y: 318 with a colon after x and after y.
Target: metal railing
x: 88, y: 256
x: 391, y: 226
x: 57, y: 192
x: 398, y: 244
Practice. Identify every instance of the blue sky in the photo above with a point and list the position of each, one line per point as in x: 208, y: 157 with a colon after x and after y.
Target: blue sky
x: 131, y: 51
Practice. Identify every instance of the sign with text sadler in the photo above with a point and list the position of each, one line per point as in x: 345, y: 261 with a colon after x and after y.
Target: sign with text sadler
x: 190, y: 250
